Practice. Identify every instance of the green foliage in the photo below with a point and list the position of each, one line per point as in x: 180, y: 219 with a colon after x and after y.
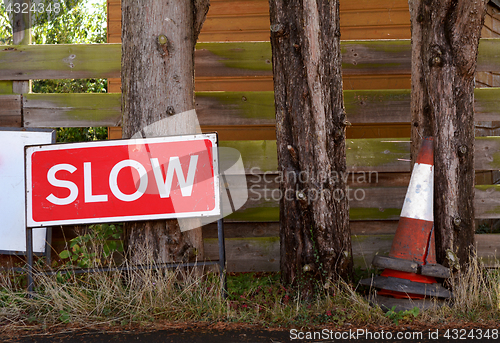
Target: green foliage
x: 94, y: 248
x: 242, y: 282
x: 400, y: 315
x: 64, y: 316
x: 80, y: 21
x: 262, y: 296
x: 490, y: 226
x: 75, y: 25
x: 483, y: 228
x: 5, y: 27
x: 70, y: 86
x: 81, y: 134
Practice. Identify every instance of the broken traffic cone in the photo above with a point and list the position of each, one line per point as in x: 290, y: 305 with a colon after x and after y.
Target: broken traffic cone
x: 411, y: 267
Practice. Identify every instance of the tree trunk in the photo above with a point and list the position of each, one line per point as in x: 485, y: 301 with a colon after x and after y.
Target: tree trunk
x: 310, y: 127
x: 445, y: 38
x: 158, y: 40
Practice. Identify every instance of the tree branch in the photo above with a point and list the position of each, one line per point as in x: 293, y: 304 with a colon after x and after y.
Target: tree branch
x: 200, y: 10
x: 468, y: 18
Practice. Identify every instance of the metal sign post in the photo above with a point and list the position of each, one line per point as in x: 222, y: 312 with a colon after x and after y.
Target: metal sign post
x: 222, y: 256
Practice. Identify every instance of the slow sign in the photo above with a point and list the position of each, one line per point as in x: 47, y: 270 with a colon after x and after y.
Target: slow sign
x: 137, y: 179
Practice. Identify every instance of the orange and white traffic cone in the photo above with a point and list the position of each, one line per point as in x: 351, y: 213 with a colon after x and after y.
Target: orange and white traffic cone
x: 411, y: 267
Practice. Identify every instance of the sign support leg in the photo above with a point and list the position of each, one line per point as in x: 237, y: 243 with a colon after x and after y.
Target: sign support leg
x: 29, y: 257
x: 222, y: 256
x: 48, y: 246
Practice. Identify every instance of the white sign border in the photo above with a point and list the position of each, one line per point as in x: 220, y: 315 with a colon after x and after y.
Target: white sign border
x: 30, y: 150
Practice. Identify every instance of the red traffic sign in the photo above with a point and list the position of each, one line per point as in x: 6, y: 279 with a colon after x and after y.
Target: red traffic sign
x: 122, y: 180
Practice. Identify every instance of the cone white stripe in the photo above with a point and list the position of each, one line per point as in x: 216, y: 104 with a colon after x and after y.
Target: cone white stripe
x: 419, y: 197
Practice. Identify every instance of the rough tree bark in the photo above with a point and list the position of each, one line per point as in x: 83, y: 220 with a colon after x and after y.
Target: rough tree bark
x: 158, y: 40
x: 310, y: 127
x: 445, y: 38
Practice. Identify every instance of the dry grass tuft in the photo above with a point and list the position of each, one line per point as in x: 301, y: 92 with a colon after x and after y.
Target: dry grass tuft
x: 476, y: 296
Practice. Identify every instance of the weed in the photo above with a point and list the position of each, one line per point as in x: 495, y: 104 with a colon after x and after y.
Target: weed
x: 400, y: 315
x: 95, y: 247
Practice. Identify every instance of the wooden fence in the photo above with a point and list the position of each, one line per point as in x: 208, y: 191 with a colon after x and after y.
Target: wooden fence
x: 234, y: 97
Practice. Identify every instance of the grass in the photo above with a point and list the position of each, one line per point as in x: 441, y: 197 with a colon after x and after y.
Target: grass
x: 120, y: 298
x: 477, y: 293
x: 260, y: 298
x: 145, y: 296
x: 113, y: 298
x: 476, y: 299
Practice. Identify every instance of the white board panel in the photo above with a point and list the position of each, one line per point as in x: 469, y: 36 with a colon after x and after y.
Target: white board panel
x: 12, y: 186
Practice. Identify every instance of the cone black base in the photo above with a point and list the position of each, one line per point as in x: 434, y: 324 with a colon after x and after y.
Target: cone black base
x: 434, y: 270
x: 387, y: 303
x: 407, y: 286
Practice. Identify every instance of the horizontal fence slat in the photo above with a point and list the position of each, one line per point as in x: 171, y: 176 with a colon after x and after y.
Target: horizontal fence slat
x: 362, y: 106
x: 486, y: 153
x: 371, y: 203
x: 242, y: 132
x: 72, y: 110
x: 488, y: 58
x: 262, y: 254
x: 233, y: 59
x: 235, y: 108
x: 255, y: 246
x: 393, y: 105
x: 267, y: 229
x: 10, y: 110
x: 486, y: 106
x: 487, y: 201
x: 218, y: 109
x: 255, y: 254
x: 87, y: 109
x: 376, y: 57
x: 364, y: 155
x: 365, y: 203
x: 60, y: 61
x: 230, y: 59
x: 488, y: 249
x: 378, y: 106
x: 381, y: 155
x: 6, y: 87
